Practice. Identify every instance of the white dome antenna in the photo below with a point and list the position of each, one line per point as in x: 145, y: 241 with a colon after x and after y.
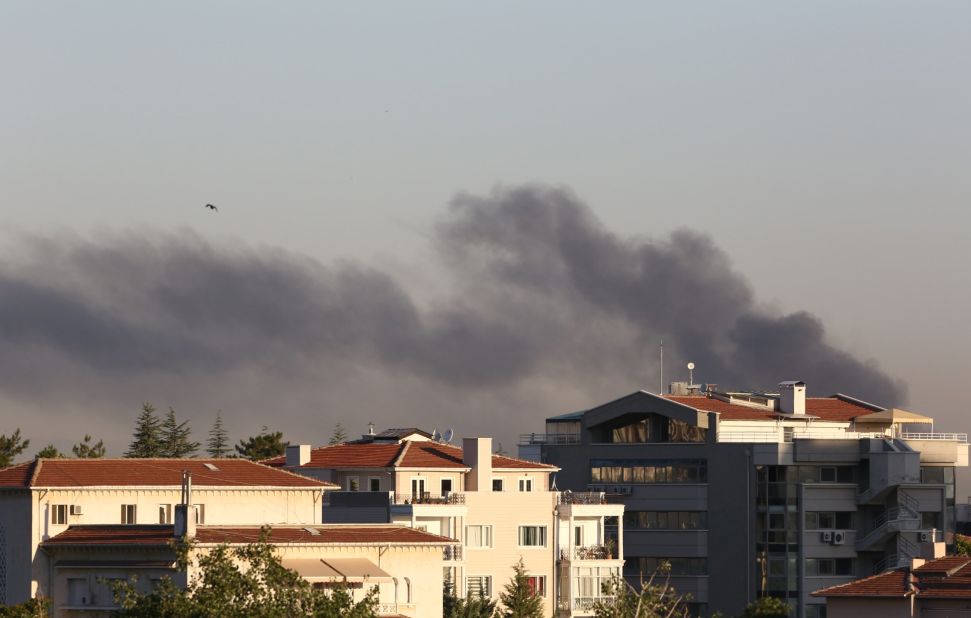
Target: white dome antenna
x: 691, y: 373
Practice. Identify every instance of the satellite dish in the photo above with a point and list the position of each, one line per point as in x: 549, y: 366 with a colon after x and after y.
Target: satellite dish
x: 448, y: 435
x: 691, y: 373
x: 435, y: 435
x: 691, y: 365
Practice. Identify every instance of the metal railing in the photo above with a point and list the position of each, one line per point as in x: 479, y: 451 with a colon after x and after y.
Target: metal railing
x: 590, y: 552
x: 949, y: 437
x: 586, y: 604
x: 429, y: 498
x: 784, y: 435
x: 548, y: 438
x: 582, y: 497
x: 889, y: 522
x: 452, y: 552
x: 392, y: 609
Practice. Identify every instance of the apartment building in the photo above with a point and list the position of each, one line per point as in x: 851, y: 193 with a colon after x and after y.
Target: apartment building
x: 499, y: 509
x: 44, y: 498
x: 760, y: 494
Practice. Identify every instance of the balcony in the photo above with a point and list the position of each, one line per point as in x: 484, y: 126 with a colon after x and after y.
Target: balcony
x: 526, y: 439
x: 394, y: 609
x: 582, y: 497
x: 452, y: 553
x: 590, y: 552
x: 428, y: 498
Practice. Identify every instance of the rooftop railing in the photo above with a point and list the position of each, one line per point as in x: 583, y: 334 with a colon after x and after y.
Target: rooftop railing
x: 950, y: 437
x: 582, y: 497
x: 429, y: 498
x: 548, y: 438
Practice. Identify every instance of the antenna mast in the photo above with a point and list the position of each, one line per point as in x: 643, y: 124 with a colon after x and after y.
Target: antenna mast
x: 660, y: 386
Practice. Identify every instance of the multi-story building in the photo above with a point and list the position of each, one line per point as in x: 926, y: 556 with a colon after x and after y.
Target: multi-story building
x: 499, y: 509
x: 41, y: 499
x: 754, y: 494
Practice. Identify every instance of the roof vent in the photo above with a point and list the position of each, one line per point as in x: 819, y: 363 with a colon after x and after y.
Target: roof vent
x: 212, y: 467
x: 312, y: 531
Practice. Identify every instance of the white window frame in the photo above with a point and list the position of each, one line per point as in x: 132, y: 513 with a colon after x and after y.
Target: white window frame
x: 526, y: 484
x: 125, y: 519
x: 542, y: 579
x: 165, y: 513
x: 545, y: 534
x: 419, y: 483
x: 487, y: 580
x: 59, y: 514
x: 483, y: 546
x: 200, y: 513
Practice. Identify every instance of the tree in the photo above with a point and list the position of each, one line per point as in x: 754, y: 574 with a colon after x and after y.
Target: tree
x: 520, y: 600
x: 218, y: 443
x: 653, y: 600
x: 263, y: 446
x: 39, y: 607
x: 176, y: 437
x: 472, y: 607
x: 240, y: 582
x: 962, y: 545
x: 49, y: 452
x: 85, y: 450
x: 767, y: 607
x: 11, y: 446
x: 147, y: 439
x: 340, y: 435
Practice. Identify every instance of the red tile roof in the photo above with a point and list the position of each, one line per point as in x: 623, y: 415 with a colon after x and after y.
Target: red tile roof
x: 149, y: 473
x: 948, y: 577
x: 336, y: 534
x: 407, y: 454
x: 826, y: 408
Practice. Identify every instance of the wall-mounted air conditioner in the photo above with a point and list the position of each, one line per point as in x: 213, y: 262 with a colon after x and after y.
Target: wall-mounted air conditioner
x: 76, y: 509
x: 839, y: 537
x: 826, y: 536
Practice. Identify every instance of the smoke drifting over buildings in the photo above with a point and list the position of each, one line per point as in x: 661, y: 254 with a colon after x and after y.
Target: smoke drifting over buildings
x: 545, y: 310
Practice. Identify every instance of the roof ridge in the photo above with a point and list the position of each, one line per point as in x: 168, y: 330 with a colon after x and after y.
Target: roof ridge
x: 858, y: 581
x: 36, y: 471
x: 401, y: 454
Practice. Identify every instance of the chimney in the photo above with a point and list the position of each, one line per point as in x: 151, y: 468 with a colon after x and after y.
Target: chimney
x: 298, y: 455
x: 185, y: 511
x: 792, y: 397
x: 477, y: 454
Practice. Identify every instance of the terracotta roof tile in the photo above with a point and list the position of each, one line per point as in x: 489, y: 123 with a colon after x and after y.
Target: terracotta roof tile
x: 826, y: 408
x: 418, y: 454
x: 151, y: 473
x: 947, y: 577
x: 115, y: 534
x: 886, y: 584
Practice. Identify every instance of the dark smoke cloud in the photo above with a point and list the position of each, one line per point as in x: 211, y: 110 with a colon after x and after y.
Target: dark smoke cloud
x: 546, y: 308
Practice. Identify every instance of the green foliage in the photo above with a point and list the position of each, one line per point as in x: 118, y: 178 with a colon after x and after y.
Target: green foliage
x: 176, y: 438
x: 34, y: 608
x: 11, y: 446
x: 655, y: 599
x: 49, y: 452
x: 263, y: 446
x: 241, y: 582
x: 473, y: 607
x: 86, y: 450
x: 340, y: 435
x: 218, y: 443
x: 147, y: 438
x: 767, y: 607
x: 519, y: 601
x: 962, y: 545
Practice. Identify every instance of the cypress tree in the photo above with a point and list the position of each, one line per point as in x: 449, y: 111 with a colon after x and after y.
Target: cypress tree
x: 218, y: 443
x: 147, y: 439
x: 176, y: 438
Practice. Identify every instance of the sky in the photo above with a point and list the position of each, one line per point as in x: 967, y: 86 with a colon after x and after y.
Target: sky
x: 475, y: 215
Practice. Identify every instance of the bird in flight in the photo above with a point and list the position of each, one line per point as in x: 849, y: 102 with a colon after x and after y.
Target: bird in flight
x: 211, y: 207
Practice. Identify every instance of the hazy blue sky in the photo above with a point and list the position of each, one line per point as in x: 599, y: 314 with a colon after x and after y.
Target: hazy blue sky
x: 823, y: 146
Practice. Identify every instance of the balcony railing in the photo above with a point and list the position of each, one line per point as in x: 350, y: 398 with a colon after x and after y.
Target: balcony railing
x: 392, y: 609
x: 582, y: 497
x: 548, y: 438
x: 428, y: 498
x: 950, y: 437
x: 452, y: 553
x: 590, y: 552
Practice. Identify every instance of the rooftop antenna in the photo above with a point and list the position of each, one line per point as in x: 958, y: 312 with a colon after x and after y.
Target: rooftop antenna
x: 370, y: 428
x: 436, y: 437
x: 691, y: 374
x: 660, y: 386
x: 448, y: 435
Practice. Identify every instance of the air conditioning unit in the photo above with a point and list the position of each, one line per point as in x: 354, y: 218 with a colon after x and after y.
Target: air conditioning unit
x: 76, y: 509
x: 839, y: 537
x: 827, y: 536
x: 926, y: 537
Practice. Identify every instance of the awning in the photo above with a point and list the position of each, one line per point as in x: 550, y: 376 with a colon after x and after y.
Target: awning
x: 894, y: 416
x: 337, y: 569
x: 114, y: 564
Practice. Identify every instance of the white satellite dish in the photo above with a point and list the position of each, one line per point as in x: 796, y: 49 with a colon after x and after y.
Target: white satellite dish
x: 435, y: 435
x: 448, y: 435
x: 691, y: 365
x: 691, y: 373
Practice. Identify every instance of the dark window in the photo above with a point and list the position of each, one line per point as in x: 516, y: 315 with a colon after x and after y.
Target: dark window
x: 827, y: 474
x: 648, y: 471
x: 496, y: 484
x: 446, y: 486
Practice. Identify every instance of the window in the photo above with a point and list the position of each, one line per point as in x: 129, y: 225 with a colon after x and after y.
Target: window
x: 537, y: 584
x: 829, y: 566
x: 496, y: 484
x: 578, y: 536
x: 827, y: 474
x: 679, y: 566
x: 829, y: 520
x: 200, y: 513
x: 59, y: 514
x: 648, y: 471
x: 478, y: 586
x: 78, y: 592
x: 353, y: 483
x: 525, y: 484
x: 478, y: 536
x: 374, y: 484
x: 165, y: 513
x: 666, y: 520
x: 446, y: 487
x: 127, y: 513
x: 417, y: 489
x: 532, y: 536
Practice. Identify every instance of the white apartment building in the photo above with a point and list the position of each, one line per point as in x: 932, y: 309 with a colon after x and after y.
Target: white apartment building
x: 43, y: 498
x: 500, y: 510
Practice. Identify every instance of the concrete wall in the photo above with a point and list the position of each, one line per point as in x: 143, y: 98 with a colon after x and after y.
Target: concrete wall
x: 838, y: 607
